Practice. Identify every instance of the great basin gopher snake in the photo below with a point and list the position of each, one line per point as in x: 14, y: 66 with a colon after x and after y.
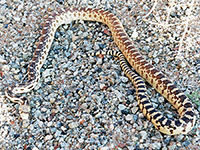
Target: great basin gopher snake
x: 156, y: 78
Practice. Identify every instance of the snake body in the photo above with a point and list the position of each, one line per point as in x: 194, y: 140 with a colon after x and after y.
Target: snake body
x: 128, y: 52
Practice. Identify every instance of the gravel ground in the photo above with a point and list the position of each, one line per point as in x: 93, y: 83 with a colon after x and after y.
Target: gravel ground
x: 88, y: 103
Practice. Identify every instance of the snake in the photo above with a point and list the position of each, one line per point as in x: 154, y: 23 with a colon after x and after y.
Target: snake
x: 128, y: 54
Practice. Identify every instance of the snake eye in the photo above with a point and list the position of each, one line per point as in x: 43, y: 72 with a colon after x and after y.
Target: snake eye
x: 9, y: 89
x: 25, y: 100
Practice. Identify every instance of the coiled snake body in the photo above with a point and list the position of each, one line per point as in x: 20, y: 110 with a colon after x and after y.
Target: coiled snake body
x: 156, y: 78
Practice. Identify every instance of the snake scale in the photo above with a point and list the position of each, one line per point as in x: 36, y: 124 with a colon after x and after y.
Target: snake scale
x: 128, y: 53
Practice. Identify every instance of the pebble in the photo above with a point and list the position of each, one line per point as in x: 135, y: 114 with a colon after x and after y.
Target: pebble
x: 131, y: 97
x: 1, y: 25
x: 118, y: 94
x: 43, y: 109
x: 143, y: 134
x: 16, y: 77
x: 135, y: 117
x: 40, y: 123
x: 183, y: 64
x: 156, y: 145
x: 73, y: 125
x: 35, y: 148
x: 49, y: 124
x: 99, y: 61
x: 156, y: 60
x: 102, y: 86
x: 37, y: 113
x: 134, y: 110
x: 172, y: 147
x: 180, y: 137
x: 134, y: 34
x: 48, y: 137
x: 47, y: 73
x: 6, y: 68
x: 2, y: 60
x: 121, y: 107
x: 63, y: 110
x: 161, y: 99
x: 58, y: 133
x: 186, y: 143
x: 129, y: 117
x: 124, y: 79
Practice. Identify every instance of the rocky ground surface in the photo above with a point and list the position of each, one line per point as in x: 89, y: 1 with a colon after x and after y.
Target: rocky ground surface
x: 88, y: 103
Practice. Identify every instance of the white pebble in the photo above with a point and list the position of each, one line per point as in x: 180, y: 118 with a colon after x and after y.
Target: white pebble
x: 134, y: 34
x: 121, y: 107
x: 131, y: 97
x: 156, y: 60
x: 124, y: 79
x: 40, y: 123
x: 20, y: 7
x: 16, y: 77
x: 43, y: 109
x: 46, y: 73
x: 148, y: 39
x: 75, y: 73
x: 68, y: 72
x: 17, y: 19
x: 118, y: 94
x: 37, y: 86
x: 2, y: 1
x: 99, y: 61
x: 6, y: 68
x: 129, y: 117
x: 104, y: 148
x: 102, y: 86
x: 73, y: 125
x: 81, y: 140
x: 47, y: 79
x: 143, y: 134
x: 119, y: 112
x: 183, y: 64
x: 35, y: 148
x: 49, y: 124
x: 161, y: 99
x: 2, y: 60
x: 48, y: 137
x: 134, y: 110
x: 111, y: 127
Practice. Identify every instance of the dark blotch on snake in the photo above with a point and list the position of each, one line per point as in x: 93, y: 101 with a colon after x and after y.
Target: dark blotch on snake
x: 185, y: 119
x: 188, y: 105
x: 178, y: 123
x: 152, y: 111
x: 190, y: 113
x: 156, y: 116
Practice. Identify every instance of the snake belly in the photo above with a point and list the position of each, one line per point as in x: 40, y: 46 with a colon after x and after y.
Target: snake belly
x: 147, y: 71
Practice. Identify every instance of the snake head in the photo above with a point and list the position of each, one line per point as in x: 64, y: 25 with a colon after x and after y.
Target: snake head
x: 8, y: 91
x: 24, y: 109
